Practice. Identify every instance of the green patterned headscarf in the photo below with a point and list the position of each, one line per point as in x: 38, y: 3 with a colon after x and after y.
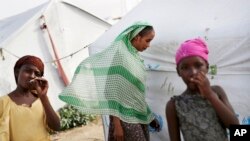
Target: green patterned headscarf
x: 112, y: 82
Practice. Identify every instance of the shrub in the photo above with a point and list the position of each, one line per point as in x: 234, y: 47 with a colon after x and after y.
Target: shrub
x: 71, y: 117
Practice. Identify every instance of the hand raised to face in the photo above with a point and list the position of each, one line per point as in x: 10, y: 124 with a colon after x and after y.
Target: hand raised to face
x: 202, y: 82
x: 40, y: 85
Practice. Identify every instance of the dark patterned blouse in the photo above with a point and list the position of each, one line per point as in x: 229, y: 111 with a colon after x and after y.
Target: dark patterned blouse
x: 198, y: 120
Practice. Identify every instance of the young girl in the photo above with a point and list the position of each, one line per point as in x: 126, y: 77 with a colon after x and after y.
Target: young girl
x: 202, y: 112
x: 112, y: 82
x: 26, y: 113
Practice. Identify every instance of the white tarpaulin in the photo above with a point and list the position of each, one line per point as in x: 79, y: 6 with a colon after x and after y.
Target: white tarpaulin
x: 61, y: 44
x: 224, y: 24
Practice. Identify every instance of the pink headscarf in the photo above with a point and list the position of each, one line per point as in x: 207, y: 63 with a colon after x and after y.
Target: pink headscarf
x: 193, y: 47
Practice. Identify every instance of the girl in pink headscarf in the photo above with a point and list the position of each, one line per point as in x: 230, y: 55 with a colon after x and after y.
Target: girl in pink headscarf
x: 202, y: 112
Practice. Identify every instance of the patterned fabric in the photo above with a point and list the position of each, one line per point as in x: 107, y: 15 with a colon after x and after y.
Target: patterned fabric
x: 132, y: 131
x: 198, y: 120
x: 112, y: 82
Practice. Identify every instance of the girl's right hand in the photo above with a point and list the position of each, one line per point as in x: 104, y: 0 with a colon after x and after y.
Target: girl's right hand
x: 118, y: 131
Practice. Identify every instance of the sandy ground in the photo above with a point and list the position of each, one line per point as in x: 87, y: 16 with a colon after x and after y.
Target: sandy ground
x: 91, y: 132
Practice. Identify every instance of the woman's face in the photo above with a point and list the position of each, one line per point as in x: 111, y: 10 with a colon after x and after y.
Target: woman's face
x: 188, y: 69
x: 26, y: 73
x: 141, y: 43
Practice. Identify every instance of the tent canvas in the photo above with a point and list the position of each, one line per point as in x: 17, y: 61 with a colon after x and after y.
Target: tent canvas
x: 68, y: 27
x: 227, y: 34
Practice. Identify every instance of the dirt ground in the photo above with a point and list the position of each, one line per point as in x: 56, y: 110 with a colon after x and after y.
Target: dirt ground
x: 91, y: 132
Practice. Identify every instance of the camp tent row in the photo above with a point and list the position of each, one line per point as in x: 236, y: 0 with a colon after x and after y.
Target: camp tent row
x: 59, y: 32
x: 224, y: 24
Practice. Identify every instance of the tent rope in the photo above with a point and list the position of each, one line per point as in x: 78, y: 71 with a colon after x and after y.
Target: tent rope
x: 60, y: 68
x: 47, y: 62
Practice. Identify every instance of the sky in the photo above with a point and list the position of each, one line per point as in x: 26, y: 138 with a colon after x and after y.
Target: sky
x: 105, y: 9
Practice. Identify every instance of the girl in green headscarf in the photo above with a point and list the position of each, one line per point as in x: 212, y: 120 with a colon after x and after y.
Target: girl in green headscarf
x: 112, y: 82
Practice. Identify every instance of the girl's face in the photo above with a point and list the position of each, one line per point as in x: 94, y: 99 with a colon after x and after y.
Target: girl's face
x: 141, y: 43
x: 189, y: 67
x: 27, y: 73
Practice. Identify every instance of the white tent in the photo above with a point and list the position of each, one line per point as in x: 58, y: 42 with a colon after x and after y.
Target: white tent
x: 224, y: 24
x: 58, y: 32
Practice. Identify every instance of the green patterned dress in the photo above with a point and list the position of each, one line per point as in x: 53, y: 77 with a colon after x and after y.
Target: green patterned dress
x: 112, y: 82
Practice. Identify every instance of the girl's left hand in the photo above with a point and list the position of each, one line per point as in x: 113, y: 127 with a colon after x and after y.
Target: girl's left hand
x: 155, y: 124
x: 40, y: 85
x: 202, y: 83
